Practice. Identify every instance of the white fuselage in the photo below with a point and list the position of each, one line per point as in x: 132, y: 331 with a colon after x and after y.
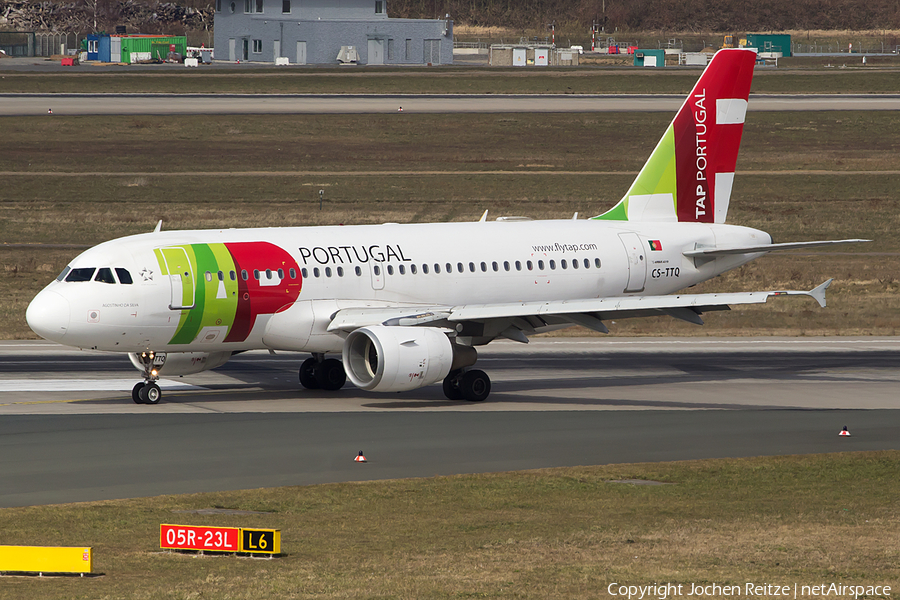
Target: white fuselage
x: 217, y: 290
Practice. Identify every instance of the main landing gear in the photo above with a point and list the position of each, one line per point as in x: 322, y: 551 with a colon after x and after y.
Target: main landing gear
x: 472, y: 385
x: 320, y: 373
x: 147, y: 391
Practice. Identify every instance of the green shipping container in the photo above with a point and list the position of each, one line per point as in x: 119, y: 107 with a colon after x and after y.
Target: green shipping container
x: 135, y: 49
x: 649, y: 58
x: 770, y: 42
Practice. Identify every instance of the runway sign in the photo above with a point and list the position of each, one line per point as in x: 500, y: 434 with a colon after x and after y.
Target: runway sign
x: 187, y: 537
x: 45, y: 559
x: 261, y: 541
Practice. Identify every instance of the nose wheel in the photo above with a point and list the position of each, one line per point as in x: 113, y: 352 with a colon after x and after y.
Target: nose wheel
x: 146, y: 393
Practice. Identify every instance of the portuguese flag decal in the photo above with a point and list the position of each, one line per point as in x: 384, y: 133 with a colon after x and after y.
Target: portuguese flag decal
x: 655, y: 245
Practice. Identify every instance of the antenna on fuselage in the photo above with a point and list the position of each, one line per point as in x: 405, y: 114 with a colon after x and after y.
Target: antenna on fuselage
x: 158, y: 227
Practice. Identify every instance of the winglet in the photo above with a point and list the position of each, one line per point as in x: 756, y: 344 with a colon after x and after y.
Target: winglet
x: 483, y: 217
x: 158, y: 227
x: 818, y: 293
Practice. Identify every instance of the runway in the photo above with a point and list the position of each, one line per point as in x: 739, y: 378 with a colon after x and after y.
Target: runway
x: 555, y: 402
x: 223, y: 104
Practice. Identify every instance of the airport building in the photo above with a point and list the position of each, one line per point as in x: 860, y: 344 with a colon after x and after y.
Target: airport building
x: 316, y: 32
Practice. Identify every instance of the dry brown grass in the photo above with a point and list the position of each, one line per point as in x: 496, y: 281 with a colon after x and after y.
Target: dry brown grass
x: 553, y: 533
x: 451, y: 167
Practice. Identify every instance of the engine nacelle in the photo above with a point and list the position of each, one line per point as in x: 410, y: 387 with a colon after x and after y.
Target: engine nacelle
x: 396, y: 359
x: 182, y: 363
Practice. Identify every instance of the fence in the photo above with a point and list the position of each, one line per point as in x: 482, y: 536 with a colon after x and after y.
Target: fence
x: 32, y: 43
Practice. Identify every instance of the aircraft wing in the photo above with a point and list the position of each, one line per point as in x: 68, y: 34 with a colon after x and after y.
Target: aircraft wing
x: 765, y: 248
x: 589, y: 312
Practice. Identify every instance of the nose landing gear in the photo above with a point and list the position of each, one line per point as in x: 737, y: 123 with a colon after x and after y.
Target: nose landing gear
x: 147, y: 391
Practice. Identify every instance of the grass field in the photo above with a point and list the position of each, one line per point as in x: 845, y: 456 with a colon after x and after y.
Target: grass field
x: 554, y: 533
x: 82, y: 180
x: 847, y: 75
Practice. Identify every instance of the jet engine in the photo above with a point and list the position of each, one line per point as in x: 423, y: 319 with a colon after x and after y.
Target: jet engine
x: 397, y: 359
x: 181, y: 363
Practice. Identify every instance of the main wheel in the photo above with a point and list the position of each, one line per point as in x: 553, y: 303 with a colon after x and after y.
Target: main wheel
x: 150, y: 394
x: 136, y: 392
x: 330, y: 374
x: 451, y: 386
x: 475, y: 385
x: 308, y: 374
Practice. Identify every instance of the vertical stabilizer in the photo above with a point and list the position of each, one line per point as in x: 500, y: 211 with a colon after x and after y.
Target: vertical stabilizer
x: 689, y: 175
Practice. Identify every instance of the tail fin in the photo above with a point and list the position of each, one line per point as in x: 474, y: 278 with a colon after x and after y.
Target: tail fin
x: 689, y: 176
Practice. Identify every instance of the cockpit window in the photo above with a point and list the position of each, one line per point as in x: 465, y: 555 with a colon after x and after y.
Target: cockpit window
x: 83, y: 274
x: 104, y: 275
x: 63, y: 274
x: 124, y: 276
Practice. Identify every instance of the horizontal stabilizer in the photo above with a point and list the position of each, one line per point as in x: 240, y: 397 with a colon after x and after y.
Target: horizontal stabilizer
x: 765, y: 248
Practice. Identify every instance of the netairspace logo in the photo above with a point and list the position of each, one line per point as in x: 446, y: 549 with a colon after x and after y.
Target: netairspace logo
x: 662, y: 591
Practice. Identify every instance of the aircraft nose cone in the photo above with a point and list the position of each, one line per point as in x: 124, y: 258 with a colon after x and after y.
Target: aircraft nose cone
x: 48, y: 315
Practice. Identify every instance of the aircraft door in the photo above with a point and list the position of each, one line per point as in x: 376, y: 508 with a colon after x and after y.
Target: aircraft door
x: 637, y: 262
x: 377, y: 276
x: 181, y: 278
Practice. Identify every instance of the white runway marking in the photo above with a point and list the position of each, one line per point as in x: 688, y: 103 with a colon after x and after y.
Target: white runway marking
x: 85, y: 385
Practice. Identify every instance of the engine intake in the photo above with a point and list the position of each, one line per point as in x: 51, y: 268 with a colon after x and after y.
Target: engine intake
x: 397, y: 359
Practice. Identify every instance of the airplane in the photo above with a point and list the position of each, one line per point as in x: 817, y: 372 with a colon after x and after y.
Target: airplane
x: 407, y: 305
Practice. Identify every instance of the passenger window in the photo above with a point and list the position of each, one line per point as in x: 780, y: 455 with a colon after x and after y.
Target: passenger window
x: 63, y: 274
x: 256, y: 274
x: 208, y: 276
x: 303, y: 272
x: 518, y: 265
x: 315, y: 271
x: 377, y: 270
x: 124, y: 276
x: 506, y: 265
x: 575, y: 264
x: 484, y: 267
x: 437, y: 268
x: 293, y: 273
x: 597, y: 262
x: 587, y: 264
x: 449, y: 268
x: 280, y: 273
x: 553, y: 265
x: 412, y: 269
x: 104, y: 275
x: 327, y: 271
x: 390, y: 269
x: 563, y: 264
x: 340, y: 271
x: 268, y: 273
x: 530, y: 265
x: 402, y: 269
x: 460, y: 268
x: 221, y: 276
x: 425, y: 269
x: 231, y: 275
x: 471, y: 267
x: 358, y: 271
x: 541, y: 265
x: 244, y: 275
